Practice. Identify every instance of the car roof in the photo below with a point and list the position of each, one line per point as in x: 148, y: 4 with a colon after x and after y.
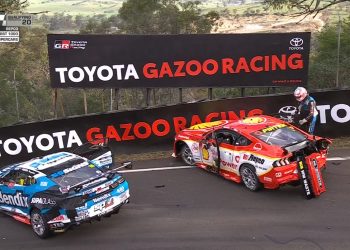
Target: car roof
x: 254, y: 123
x: 246, y: 125
x: 45, y: 162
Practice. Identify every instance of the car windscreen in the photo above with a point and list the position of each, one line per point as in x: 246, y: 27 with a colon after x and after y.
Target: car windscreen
x: 75, y: 173
x: 279, y: 135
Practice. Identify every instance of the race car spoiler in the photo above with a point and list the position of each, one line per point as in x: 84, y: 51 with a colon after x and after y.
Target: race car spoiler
x: 109, y: 174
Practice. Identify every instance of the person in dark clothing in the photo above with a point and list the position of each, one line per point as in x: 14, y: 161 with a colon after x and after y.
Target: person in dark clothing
x: 307, y: 112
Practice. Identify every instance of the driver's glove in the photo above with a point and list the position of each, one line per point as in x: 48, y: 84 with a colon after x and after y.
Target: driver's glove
x: 303, y: 121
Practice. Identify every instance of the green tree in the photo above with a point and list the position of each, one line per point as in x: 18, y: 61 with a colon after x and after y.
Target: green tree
x: 28, y: 59
x: 13, y: 5
x: 165, y: 17
x: 304, y: 7
x: 323, y: 62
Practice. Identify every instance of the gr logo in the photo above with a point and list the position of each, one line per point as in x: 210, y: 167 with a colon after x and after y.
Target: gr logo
x: 62, y: 44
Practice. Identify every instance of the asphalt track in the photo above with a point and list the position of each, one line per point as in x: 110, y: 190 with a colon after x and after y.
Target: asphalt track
x: 191, y: 209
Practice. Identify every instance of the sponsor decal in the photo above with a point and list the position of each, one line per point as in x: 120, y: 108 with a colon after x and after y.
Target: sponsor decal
x: 121, y: 189
x: 43, y: 201
x: 109, y: 203
x: 69, y: 170
x: 287, y: 113
x: 195, y: 148
x: 11, y: 184
x: 237, y: 158
x: 254, y: 120
x: 175, y: 69
x: 101, y: 189
x: 162, y: 127
x: 339, y: 113
x: 317, y: 172
x: 256, y: 159
x: 296, y: 43
x: 59, y: 218
x: 304, y: 179
x: 229, y: 164
x: 103, y: 197
x: 268, y: 179
x: 103, y: 73
x: 68, y: 44
x: 273, y: 128
x: 207, y: 125
x: 43, y: 183
x: 42, y: 142
x: 257, y: 146
x: 205, y: 153
x: 278, y: 174
x: 17, y: 199
x: 245, y: 157
x: 288, y: 172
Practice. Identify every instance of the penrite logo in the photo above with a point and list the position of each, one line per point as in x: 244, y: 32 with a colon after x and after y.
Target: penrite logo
x: 62, y: 44
x: 15, y: 200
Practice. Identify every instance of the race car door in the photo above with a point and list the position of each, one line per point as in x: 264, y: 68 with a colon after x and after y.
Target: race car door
x: 209, y: 152
x: 231, y: 147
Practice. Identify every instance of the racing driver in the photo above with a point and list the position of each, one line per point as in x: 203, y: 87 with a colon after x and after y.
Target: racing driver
x: 307, y: 112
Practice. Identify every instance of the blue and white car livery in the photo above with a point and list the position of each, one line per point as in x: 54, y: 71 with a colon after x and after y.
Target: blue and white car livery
x: 62, y: 189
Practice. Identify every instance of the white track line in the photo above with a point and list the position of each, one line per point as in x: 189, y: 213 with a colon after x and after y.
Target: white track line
x: 187, y: 167
x: 338, y: 158
x: 155, y: 169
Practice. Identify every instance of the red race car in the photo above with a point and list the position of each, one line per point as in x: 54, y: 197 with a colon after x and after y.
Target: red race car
x: 260, y: 151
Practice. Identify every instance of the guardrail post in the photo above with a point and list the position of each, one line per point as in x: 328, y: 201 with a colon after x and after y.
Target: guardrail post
x: 180, y: 95
x: 210, y: 93
x: 148, y: 96
x: 85, y: 102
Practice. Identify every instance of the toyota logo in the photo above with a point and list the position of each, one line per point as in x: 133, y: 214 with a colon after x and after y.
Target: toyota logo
x: 286, y: 113
x: 296, y: 42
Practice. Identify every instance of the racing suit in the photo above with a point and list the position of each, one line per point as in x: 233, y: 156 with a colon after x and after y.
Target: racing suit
x: 307, y: 114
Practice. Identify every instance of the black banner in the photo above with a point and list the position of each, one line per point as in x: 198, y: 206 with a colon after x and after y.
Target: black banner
x: 154, y: 129
x: 158, y: 61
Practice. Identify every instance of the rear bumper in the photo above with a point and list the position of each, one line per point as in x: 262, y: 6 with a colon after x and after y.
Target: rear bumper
x: 287, y: 174
x: 95, y: 212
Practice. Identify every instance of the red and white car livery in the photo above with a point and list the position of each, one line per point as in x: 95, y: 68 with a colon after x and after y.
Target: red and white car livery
x: 258, y: 151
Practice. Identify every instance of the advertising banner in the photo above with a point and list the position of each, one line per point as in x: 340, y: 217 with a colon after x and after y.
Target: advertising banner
x: 159, y: 61
x: 154, y: 129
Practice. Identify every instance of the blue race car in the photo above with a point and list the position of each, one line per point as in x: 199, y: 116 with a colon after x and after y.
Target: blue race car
x: 57, y: 191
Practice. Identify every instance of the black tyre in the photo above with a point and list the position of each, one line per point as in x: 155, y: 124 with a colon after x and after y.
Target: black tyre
x: 249, y: 178
x: 186, y: 155
x: 39, y: 224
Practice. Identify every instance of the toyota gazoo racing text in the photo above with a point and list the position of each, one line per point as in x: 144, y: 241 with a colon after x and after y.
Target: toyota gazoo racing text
x: 260, y: 151
x: 59, y: 190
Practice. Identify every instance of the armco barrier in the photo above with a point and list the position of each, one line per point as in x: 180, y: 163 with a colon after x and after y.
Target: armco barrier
x: 153, y: 129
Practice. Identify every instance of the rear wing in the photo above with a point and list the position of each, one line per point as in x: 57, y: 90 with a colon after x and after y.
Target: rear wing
x: 97, y: 151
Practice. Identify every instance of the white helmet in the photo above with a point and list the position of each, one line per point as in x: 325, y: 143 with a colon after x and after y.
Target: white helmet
x: 300, y: 93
